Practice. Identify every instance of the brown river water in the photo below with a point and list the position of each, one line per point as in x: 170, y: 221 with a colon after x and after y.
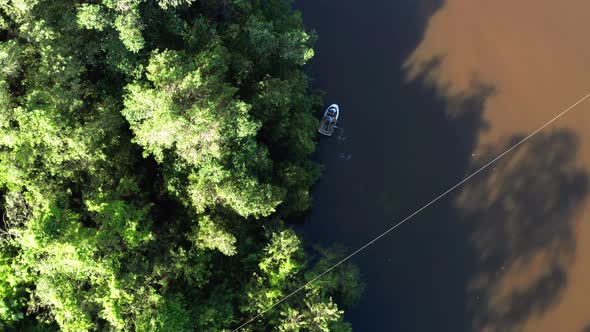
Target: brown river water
x: 429, y: 91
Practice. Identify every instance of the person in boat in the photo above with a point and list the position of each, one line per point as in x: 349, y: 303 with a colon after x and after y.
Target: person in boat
x: 329, y: 120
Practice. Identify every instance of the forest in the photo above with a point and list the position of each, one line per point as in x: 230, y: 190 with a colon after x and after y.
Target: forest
x: 152, y: 156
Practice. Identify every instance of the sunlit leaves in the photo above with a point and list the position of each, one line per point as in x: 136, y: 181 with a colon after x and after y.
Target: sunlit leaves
x: 148, y: 150
x: 122, y: 218
x: 165, y: 4
x: 262, y: 40
x: 12, y: 290
x: 191, y: 114
x: 281, y: 257
x: 129, y: 28
x: 91, y: 16
x: 211, y: 235
x: 281, y: 262
x: 165, y: 314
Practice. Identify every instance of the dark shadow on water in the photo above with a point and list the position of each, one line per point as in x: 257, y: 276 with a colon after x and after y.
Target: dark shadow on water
x: 520, y: 216
x: 406, y: 142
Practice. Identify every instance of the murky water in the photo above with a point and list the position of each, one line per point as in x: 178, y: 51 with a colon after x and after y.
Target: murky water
x: 429, y: 90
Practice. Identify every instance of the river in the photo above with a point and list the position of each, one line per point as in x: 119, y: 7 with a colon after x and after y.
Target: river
x: 429, y: 90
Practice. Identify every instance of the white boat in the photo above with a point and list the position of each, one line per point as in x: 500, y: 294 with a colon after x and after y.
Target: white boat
x: 328, y: 122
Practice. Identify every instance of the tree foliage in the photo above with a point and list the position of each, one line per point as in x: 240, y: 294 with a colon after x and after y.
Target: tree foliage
x: 148, y: 152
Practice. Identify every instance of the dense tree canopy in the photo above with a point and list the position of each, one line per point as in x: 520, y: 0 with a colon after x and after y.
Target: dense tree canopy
x: 149, y: 151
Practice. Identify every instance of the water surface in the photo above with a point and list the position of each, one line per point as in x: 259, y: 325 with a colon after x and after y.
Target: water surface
x: 429, y: 90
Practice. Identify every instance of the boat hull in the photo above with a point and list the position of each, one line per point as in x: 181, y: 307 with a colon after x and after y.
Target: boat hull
x: 329, y: 120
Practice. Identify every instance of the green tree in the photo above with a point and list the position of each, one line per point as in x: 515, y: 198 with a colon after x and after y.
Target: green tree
x: 148, y: 151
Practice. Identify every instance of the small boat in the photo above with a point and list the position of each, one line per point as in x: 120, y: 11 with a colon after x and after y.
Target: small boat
x: 329, y: 120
